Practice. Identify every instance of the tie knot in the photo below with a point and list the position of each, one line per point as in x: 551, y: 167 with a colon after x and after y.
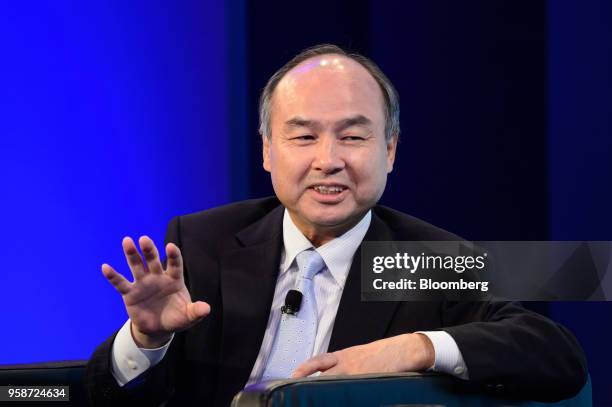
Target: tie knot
x: 309, y: 263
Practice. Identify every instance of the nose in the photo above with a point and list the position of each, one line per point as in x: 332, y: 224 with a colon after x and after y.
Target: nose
x: 328, y: 157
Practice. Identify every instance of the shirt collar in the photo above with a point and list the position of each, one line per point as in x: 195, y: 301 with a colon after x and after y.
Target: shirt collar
x: 337, y: 253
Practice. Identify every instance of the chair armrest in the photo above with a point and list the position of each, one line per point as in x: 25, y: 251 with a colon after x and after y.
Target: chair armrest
x: 383, y: 389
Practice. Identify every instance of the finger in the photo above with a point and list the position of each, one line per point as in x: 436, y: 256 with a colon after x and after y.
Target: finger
x: 151, y: 255
x: 133, y: 258
x: 318, y: 363
x: 175, y: 261
x: 334, y: 371
x: 116, y: 279
x: 197, y: 310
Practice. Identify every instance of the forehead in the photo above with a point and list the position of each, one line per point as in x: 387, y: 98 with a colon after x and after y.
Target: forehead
x: 327, y: 88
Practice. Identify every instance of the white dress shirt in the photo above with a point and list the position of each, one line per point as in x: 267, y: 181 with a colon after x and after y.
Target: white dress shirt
x: 129, y: 361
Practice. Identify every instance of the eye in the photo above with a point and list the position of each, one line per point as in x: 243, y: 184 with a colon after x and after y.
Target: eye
x: 353, y: 138
x: 304, y: 137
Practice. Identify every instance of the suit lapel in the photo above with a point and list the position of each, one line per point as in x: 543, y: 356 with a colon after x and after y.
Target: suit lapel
x: 358, y: 322
x: 248, y: 279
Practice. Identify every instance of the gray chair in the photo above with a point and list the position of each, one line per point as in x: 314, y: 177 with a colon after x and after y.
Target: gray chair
x: 407, y: 389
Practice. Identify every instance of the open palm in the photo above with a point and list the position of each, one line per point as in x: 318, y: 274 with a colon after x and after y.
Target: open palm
x: 157, y: 301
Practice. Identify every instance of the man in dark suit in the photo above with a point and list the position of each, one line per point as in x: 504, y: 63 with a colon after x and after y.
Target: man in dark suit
x: 209, y: 322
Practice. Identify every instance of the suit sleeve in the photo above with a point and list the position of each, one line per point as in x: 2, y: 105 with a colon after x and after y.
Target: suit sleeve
x: 516, y: 351
x: 153, y: 387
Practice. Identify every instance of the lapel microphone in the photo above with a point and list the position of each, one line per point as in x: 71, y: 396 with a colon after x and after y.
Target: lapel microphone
x: 293, y: 301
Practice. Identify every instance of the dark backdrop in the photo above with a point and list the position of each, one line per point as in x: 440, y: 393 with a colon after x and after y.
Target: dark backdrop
x: 506, y: 129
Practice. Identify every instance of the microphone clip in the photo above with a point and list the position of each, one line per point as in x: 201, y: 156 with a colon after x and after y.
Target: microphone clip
x: 293, y: 301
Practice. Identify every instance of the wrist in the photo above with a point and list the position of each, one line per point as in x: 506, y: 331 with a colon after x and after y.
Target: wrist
x: 427, y: 351
x: 417, y: 353
x: 148, y: 341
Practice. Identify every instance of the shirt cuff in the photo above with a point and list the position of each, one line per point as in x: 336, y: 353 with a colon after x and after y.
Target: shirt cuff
x: 448, y: 358
x: 128, y: 360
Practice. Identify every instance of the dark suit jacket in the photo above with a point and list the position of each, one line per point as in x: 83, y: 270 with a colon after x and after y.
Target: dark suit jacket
x: 231, y: 257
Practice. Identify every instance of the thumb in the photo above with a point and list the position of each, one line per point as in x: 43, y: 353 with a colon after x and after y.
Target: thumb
x: 197, y: 310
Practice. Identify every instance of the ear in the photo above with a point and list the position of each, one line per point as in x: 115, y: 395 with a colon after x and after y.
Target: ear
x: 391, y: 149
x: 266, y: 152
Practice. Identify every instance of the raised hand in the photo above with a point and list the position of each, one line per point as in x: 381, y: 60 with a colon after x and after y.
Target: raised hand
x: 157, y: 301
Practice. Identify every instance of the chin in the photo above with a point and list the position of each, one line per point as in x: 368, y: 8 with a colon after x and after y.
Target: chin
x: 331, y: 218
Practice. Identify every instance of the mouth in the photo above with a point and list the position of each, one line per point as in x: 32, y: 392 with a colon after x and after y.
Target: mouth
x: 329, y: 194
x: 335, y: 189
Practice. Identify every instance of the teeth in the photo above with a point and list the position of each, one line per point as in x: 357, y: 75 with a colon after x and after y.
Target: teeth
x: 328, y: 190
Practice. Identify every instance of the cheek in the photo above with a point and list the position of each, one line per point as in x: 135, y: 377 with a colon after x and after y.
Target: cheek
x: 370, y: 165
x: 287, y: 171
x: 370, y: 173
x: 293, y: 165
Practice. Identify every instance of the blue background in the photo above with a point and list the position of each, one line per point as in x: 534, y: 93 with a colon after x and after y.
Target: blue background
x: 114, y: 120
x: 117, y: 116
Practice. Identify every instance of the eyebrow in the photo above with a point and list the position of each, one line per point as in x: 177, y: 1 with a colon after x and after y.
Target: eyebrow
x: 357, y: 120
x: 301, y: 122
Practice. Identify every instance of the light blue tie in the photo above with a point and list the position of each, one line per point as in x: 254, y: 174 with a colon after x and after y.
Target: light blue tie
x: 295, y: 337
